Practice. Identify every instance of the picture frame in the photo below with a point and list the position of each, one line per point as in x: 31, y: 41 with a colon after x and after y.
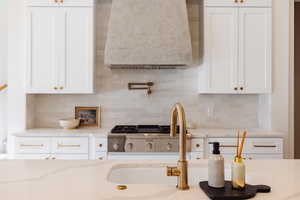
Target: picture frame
x: 89, y: 116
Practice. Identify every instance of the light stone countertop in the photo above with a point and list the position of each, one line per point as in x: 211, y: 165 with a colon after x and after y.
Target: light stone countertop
x: 87, y: 180
x: 102, y: 132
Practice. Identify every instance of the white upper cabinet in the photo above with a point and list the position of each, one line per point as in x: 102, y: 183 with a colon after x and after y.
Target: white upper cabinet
x: 60, y: 3
x: 219, y: 75
x: 237, y: 49
x: 238, y: 3
x: 60, y: 49
x: 255, y: 47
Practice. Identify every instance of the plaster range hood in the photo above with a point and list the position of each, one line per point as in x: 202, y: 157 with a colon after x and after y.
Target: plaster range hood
x: 148, y: 34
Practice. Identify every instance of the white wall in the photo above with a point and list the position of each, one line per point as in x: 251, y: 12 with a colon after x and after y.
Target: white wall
x: 281, y: 61
x: 3, y: 66
x: 16, y: 99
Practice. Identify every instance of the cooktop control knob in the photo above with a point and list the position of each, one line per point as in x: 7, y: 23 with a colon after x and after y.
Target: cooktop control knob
x: 149, y: 146
x: 130, y: 146
x: 116, y: 146
x: 169, y: 146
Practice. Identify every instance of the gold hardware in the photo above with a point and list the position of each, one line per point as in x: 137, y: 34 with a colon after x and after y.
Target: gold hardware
x: 68, y: 145
x: 47, y: 158
x: 236, y: 1
x: 241, y: 88
x: 55, y: 88
x: 3, y: 87
x: 198, y: 158
x: 266, y: 146
x: 61, y: 1
x: 197, y: 145
x: 121, y: 187
x: 31, y: 145
x: 229, y: 146
x: 100, y: 145
x: 178, y: 114
x: 53, y: 158
x: 61, y: 88
x: 242, y: 1
x: 235, y: 88
x: 100, y: 158
x: 56, y: 1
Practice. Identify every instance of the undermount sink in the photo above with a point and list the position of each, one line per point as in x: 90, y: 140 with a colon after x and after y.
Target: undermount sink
x: 156, y: 174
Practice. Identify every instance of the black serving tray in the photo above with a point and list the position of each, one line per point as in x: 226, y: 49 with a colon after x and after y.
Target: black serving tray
x: 228, y: 193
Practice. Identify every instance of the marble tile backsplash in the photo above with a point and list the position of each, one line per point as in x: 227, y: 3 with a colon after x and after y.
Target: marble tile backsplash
x: 121, y: 106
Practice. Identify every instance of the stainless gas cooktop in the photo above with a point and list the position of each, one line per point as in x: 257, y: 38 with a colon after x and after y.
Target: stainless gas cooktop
x: 142, y: 129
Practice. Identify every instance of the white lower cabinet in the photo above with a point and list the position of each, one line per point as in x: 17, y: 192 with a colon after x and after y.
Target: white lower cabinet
x: 254, y: 148
x: 51, y: 148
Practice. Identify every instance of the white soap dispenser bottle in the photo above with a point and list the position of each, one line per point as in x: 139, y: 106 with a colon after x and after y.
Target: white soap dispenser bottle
x: 216, y: 167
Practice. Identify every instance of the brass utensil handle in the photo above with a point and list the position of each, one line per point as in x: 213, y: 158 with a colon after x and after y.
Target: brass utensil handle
x: 31, y: 145
x: 228, y: 146
x: 265, y: 146
x: 68, y: 145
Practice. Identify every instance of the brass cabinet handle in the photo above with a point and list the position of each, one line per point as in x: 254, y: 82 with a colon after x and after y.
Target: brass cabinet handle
x: 197, y: 145
x: 228, y: 146
x: 242, y: 1
x: 56, y: 1
x: 68, y: 145
x: 236, y: 1
x: 100, y: 158
x: 55, y: 88
x: 61, y: 1
x: 61, y: 88
x: 100, y: 145
x: 265, y: 146
x: 31, y: 145
x: 235, y: 88
x: 53, y: 158
x: 241, y: 88
x: 47, y: 158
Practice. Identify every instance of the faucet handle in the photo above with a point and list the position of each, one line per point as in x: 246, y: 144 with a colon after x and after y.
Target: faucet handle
x: 173, y: 171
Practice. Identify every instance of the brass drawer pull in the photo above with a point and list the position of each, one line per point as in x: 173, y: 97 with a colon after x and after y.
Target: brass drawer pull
x: 198, y: 145
x: 61, y: 88
x: 265, y: 146
x: 68, y: 145
x: 235, y: 88
x: 229, y: 146
x: 100, y: 145
x: 31, y: 145
x: 241, y: 88
x: 242, y: 1
x: 236, y: 1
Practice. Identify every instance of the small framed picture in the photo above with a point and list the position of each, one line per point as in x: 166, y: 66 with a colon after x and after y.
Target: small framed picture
x: 89, y: 116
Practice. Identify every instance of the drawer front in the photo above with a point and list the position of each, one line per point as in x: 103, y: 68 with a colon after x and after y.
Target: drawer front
x: 31, y: 156
x: 66, y: 145
x: 238, y: 3
x: 101, y: 144
x: 69, y: 157
x: 197, y: 155
x: 101, y: 156
x: 32, y: 145
x: 60, y: 3
x: 221, y: 3
x: 227, y: 145
x: 197, y: 145
x: 266, y: 145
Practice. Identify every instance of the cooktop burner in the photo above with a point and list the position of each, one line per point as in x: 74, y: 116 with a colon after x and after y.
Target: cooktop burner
x: 140, y: 129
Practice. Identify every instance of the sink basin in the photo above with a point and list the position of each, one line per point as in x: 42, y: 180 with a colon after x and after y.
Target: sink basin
x: 156, y: 174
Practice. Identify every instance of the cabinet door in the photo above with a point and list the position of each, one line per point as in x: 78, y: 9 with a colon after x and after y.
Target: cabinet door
x: 219, y: 72
x: 76, y: 72
x: 255, y: 50
x: 42, y: 44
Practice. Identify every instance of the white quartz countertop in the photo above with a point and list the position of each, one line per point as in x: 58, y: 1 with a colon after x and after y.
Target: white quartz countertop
x: 101, y: 132
x: 87, y: 180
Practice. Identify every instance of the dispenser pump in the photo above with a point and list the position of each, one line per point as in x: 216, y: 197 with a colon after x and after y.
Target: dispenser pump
x: 216, y: 149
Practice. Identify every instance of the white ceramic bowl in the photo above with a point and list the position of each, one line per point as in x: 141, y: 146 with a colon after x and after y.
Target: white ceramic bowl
x: 69, y: 123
